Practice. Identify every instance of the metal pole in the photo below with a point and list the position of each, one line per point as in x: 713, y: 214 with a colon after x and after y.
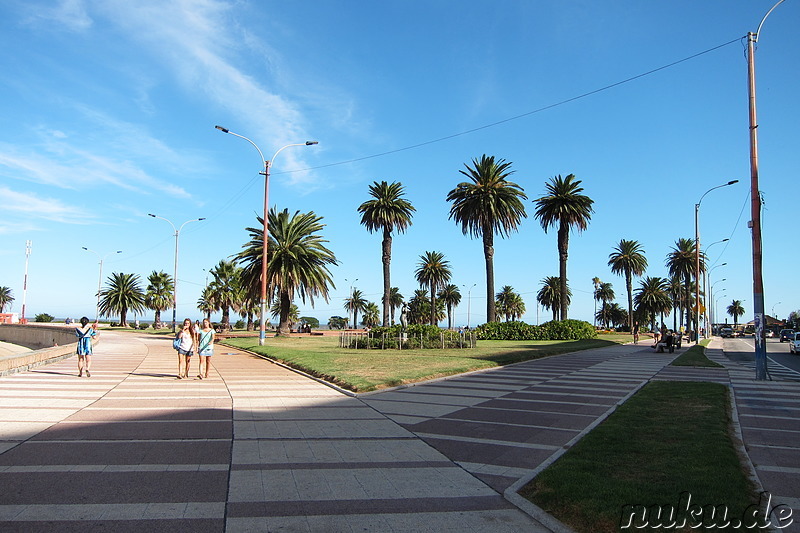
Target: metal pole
x: 25, y: 278
x: 697, y: 272
x: 262, y: 328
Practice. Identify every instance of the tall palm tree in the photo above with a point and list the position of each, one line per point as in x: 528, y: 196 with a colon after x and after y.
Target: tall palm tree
x: 159, y: 295
x: 736, y: 310
x: 510, y: 303
x: 628, y: 259
x: 604, y: 293
x: 226, y: 289
x: 651, y: 298
x: 433, y: 270
x: 675, y: 291
x: 451, y: 297
x: 297, y: 262
x: 395, y: 302
x: 681, y: 263
x: 616, y: 315
x: 122, y: 294
x: 485, y: 205
x: 564, y: 206
x: 549, y: 296
x: 596, y: 282
x: 5, y: 298
x: 354, y: 304
x: 515, y: 307
x: 387, y: 211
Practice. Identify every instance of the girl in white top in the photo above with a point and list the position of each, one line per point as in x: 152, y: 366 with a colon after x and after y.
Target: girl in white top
x: 188, y: 338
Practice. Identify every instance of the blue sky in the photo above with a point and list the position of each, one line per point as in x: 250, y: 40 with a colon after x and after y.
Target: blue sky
x: 108, y: 111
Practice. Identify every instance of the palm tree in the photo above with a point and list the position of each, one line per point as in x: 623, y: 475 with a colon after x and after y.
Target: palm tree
x: 387, y: 211
x: 5, y: 298
x: 681, y: 263
x: 293, y: 316
x: 419, y: 307
x: 564, y: 205
x: 735, y: 310
x: 226, y: 289
x: 206, y: 302
x: 596, y: 282
x: 549, y: 296
x: 509, y: 303
x: 628, y: 259
x: 395, y: 302
x: 485, y: 205
x: 355, y: 304
x: 297, y: 264
x: 434, y: 271
x: 616, y: 315
x: 604, y: 293
x: 451, y: 297
x: 122, y: 294
x: 159, y: 295
x: 515, y: 308
x: 371, y: 316
x: 652, y: 299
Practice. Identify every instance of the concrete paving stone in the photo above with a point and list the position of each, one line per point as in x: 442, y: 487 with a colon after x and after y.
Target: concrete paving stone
x: 547, y: 407
x: 429, y: 410
x: 770, y: 422
x: 17, y: 431
x: 774, y: 455
x: 141, y: 415
x: 137, y: 430
x: 495, y: 453
x: 318, y: 429
x: 495, y: 431
x: 775, y: 437
x: 113, y: 487
x: 441, y: 399
x: 582, y: 399
x: 518, y: 417
x: 361, y: 412
x: 91, y: 526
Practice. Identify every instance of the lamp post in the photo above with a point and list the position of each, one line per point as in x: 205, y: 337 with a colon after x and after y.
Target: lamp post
x: 25, y: 279
x: 755, y: 206
x: 697, y: 258
x: 719, y: 298
x: 469, y: 300
x: 711, y: 296
x: 706, y: 283
x: 100, y: 278
x: 773, y: 309
x: 267, y: 165
x: 351, y: 301
x: 175, y: 289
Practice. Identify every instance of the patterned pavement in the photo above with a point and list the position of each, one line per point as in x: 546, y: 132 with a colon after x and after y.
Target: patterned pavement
x: 260, y: 448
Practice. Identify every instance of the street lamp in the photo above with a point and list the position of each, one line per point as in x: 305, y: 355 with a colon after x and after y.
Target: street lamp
x: 707, y: 283
x: 25, y: 279
x: 351, y: 301
x: 100, y: 278
x: 469, y: 301
x: 697, y: 258
x: 755, y: 206
x: 711, y: 296
x: 718, y: 299
x: 773, y: 309
x: 267, y: 165
x: 175, y: 288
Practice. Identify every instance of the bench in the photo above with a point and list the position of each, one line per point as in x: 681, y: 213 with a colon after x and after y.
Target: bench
x: 670, y: 342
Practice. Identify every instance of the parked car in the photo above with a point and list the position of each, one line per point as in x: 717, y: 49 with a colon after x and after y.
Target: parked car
x: 770, y: 333
x: 726, y: 332
x: 794, y: 343
x: 786, y: 334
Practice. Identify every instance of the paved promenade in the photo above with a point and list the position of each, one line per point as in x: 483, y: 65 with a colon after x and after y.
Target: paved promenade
x: 260, y: 448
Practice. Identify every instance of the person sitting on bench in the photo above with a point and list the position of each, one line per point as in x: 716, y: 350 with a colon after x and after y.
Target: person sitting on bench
x: 668, y: 341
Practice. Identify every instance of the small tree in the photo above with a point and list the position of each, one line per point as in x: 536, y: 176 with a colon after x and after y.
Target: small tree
x: 736, y: 310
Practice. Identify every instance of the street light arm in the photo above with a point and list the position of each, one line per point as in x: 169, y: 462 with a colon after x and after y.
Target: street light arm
x: 193, y: 220
x: 307, y: 143
x: 758, y: 31
x: 714, y: 188
x: 162, y: 218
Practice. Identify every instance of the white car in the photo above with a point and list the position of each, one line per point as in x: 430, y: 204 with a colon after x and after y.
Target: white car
x: 794, y: 343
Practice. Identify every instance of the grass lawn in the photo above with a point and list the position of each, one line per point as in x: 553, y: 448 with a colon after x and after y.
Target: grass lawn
x: 696, y: 356
x: 670, y: 438
x: 367, y: 370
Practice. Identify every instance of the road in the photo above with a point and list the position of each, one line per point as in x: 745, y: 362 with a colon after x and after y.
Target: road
x: 743, y: 350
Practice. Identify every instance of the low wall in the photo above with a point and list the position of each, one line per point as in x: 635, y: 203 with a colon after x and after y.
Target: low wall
x: 37, y: 336
x: 50, y: 344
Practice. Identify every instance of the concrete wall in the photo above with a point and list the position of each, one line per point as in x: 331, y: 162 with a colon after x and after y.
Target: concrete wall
x: 53, y: 342
x: 37, y: 336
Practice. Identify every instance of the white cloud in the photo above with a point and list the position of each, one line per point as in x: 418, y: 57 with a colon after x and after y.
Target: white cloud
x: 33, y: 207
x: 68, y: 14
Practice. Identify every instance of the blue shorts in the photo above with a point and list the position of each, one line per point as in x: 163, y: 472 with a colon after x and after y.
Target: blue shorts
x: 187, y: 353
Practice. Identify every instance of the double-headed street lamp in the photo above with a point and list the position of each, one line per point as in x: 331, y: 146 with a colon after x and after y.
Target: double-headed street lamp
x: 267, y: 165
x: 175, y: 288
x: 469, y: 300
x: 697, y: 258
x: 100, y: 278
x: 711, y: 297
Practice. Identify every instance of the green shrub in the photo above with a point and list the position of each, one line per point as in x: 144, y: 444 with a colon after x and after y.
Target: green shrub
x: 239, y: 324
x: 43, y: 317
x: 520, y: 331
x: 144, y: 325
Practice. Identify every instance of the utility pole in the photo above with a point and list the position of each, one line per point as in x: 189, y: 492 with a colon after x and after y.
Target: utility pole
x: 25, y: 279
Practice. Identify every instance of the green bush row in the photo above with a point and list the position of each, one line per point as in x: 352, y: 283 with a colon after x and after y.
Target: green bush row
x: 520, y: 331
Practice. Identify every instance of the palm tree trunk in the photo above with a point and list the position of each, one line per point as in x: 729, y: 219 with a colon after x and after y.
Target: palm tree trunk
x: 449, y: 316
x: 123, y: 317
x: 157, y: 319
x: 283, y: 325
x: 488, y: 254
x: 563, y: 252
x: 386, y: 258
x: 629, y: 288
x: 433, y: 305
x: 555, y: 313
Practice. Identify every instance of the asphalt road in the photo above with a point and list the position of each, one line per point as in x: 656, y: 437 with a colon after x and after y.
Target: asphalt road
x: 743, y: 349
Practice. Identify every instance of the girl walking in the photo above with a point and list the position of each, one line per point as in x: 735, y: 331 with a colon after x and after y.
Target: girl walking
x: 205, y: 347
x: 188, y: 343
x: 85, y: 334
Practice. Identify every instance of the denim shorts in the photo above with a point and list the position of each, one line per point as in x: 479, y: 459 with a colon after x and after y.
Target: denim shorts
x: 188, y: 353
